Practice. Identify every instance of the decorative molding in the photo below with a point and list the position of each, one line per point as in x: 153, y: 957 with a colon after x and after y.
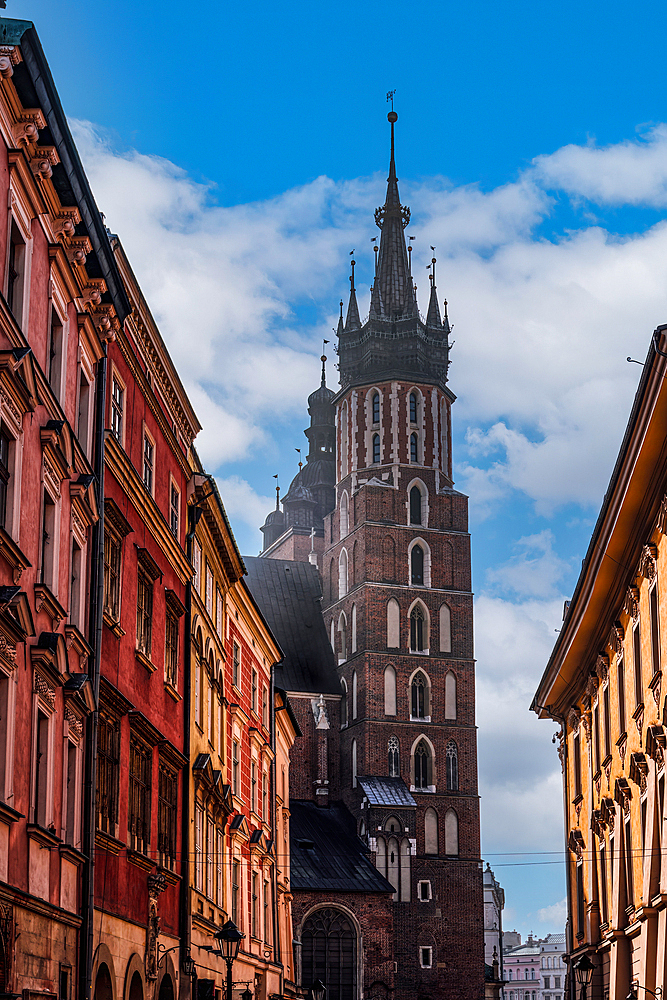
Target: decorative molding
x: 602, y: 666
x: 28, y: 126
x: 631, y: 602
x: 44, y: 600
x: 639, y: 770
x: 661, y: 523
x: 655, y: 687
x: 44, y: 159
x: 623, y: 794
x: 616, y: 637
x: 656, y: 741
x: 74, y: 722
x: 45, y: 692
x: 574, y: 718
x: 638, y: 716
x: 606, y: 767
x: 647, y: 561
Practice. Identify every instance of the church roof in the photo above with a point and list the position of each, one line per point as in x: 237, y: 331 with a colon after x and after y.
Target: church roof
x: 289, y: 595
x: 326, y: 854
x: 386, y: 791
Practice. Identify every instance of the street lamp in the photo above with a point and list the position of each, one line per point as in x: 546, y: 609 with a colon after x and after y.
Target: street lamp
x: 317, y: 990
x: 247, y: 994
x: 228, y: 940
x: 583, y: 970
x: 632, y: 995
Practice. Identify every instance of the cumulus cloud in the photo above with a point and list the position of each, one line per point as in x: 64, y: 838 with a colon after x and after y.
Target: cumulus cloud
x: 554, y: 914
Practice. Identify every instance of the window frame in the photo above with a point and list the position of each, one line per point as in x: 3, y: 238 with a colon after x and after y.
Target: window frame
x: 116, y: 412
x: 148, y: 462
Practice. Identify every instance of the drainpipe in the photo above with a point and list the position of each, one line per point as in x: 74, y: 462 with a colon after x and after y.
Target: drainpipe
x: 87, y: 933
x: 568, y: 885
x: 276, y: 936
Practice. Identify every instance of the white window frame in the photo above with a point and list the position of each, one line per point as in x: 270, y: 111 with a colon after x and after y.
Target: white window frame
x: 21, y: 216
x: 147, y: 436
x: 426, y: 898
x: 423, y: 948
x: 115, y: 377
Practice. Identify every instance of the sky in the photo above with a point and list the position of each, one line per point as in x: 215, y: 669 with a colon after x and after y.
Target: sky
x: 239, y: 152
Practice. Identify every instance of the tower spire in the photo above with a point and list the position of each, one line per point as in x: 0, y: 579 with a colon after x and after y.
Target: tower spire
x: 341, y: 326
x: 323, y: 359
x: 433, y: 315
x: 352, y: 322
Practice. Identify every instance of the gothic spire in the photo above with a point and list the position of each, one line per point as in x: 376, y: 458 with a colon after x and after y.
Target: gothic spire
x: 341, y: 326
x: 433, y: 315
x: 393, y: 294
x: 352, y: 322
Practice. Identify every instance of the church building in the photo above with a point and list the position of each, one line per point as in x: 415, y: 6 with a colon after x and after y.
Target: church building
x: 365, y: 581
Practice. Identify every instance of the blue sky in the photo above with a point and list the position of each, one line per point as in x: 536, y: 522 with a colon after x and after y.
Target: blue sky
x: 239, y: 152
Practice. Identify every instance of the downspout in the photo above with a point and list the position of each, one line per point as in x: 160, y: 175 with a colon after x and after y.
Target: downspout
x: 185, y: 932
x: 276, y: 936
x: 87, y: 934
x: 568, y: 882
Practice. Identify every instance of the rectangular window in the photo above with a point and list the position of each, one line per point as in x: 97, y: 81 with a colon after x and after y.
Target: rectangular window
x: 166, y: 817
x: 210, y: 835
x: 621, y: 696
x: 171, y: 649
x: 576, y: 763
x: 580, y: 899
x: 424, y: 891
x: 144, y: 613
x: 265, y: 797
x: 596, y: 737
x: 235, y: 768
x: 199, y: 672
x: 661, y: 807
x: 267, y: 912
x: 71, y: 805
x: 655, y: 628
x: 16, y: 273
x: 253, y: 786
x: 112, y: 556
x: 265, y: 707
x: 547, y: 982
x: 607, y: 721
x: 253, y: 692
x: 149, y: 463
x: 5, y: 444
x: 556, y: 982
x: 108, y: 744
x: 611, y: 862
x: 629, y: 874
x: 637, y: 658
x: 117, y: 409
x: 139, y: 805
x: 218, y: 614
x: 255, y: 905
x: 235, y: 892
x: 210, y: 705
x: 47, y: 562
x: 219, y: 868
x: 221, y: 732
x: 174, y: 510
x: 236, y: 664
x: 196, y: 564
x: 83, y: 416
x: 75, y: 591
x: 209, y: 590
x: 42, y: 766
x: 54, y: 360
x: 603, y: 882
x: 643, y: 818
x: 425, y: 959
x: 199, y: 846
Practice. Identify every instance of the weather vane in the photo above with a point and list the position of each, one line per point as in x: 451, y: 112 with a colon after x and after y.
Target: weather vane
x: 390, y: 97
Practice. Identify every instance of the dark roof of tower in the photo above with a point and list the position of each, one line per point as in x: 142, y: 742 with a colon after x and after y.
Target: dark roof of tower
x: 275, y: 517
x: 321, y: 472
x: 385, y: 791
x: 289, y: 596
x: 322, y: 396
x: 326, y: 854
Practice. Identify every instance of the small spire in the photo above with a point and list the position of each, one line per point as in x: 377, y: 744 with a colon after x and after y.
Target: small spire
x: 300, y: 462
x: 352, y: 322
x: 341, y: 326
x: 445, y: 321
x: 277, y: 492
x: 433, y: 315
x: 323, y: 359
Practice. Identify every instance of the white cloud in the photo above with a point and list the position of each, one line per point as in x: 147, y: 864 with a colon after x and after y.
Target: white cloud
x: 554, y: 914
x: 535, y: 569
x: 242, y: 503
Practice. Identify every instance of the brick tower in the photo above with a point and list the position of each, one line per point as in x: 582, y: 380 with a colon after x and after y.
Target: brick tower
x: 399, y: 611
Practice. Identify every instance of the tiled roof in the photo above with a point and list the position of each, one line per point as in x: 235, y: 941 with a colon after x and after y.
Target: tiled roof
x: 289, y: 596
x: 386, y: 791
x: 325, y: 852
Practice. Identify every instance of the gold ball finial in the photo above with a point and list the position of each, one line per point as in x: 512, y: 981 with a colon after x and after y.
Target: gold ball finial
x: 392, y: 117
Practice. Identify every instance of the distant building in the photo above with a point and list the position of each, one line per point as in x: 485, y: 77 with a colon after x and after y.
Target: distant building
x: 494, y: 902
x: 535, y: 970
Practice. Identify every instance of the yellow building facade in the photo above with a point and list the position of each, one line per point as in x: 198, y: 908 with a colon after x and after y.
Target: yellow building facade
x: 603, y: 685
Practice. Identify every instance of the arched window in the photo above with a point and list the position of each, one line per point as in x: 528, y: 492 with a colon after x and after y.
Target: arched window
x: 342, y: 574
x: 445, y: 629
x: 450, y: 695
x: 393, y: 624
x: 417, y: 566
x: 343, y: 440
x: 422, y: 760
x: 333, y: 636
x: 393, y: 864
x: 354, y: 628
x: 415, y: 505
x: 103, y: 987
x: 394, y: 769
x: 376, y: 449
x: 354, y: 763
x: 388, y: 559
x: 362, y: 829
x: 343, y: 703
x: 342, y: 632
x: 332, y: 577
x: 390, y: 691
x: 414, y: 448
x: 344, y: 515
x: 452, y: 765
x: 354, y: 695
x: 417, y: 629
x: 413, y: 407
x: 431, y: 831
x: 376, y: 407
x: 419, y: 707
x: 451, y: 832
x: 329, y: 953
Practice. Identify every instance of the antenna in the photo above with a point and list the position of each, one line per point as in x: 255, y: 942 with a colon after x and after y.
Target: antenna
x: 390, y: 97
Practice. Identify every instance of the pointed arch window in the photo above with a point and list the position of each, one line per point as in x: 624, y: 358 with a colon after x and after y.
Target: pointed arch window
x: 376, y: 407
x: 430, y: 831
x: 354, y: 629
x: 419, y: 707
x: 451, y: 832
x: 354, y: 763
x: 414, y: 448
x: 354, y: 695
x: 417, y: 630
x: 342, y: 632
x: 390, y: 691
x: 417, y: 566
x: 450, y: 695
x: 344, y: 515
x: 452, y: 766
x: 414, y: 407
x: 376, y: 449
x: 343, y: 704
x: 422, y: 765
x: 415, y: 505
x: 342, y: 574
x: 394, y: 769
x: 393, y: 624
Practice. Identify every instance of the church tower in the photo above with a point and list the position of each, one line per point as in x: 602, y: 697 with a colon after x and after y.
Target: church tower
x: 398, y: 608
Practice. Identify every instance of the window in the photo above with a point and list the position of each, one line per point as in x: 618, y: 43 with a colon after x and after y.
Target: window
x: 83, y: 416
x: 417, y: 566
x: 390, y: 691
x: 547, y: 982
x: 253, y: 786
x: 415, y: 505
x: 255, y: 905
x: 76, y: 597
x: 16, y: 273
x: 171, y: 648
x: 417, y: 630
x: 174, y: 510
x: 637, y: 663
x: 629, y: 874
x: 419, y: 692
x: 422, y: 765
x: 117, y: 408
x: 452, y: 764
x: 42, y: 769
x: 329, y: 953
x: 149, y: 463
x: 166, y: 817
x: 596, y: 738
x: 621, y: 695
x: 393, y: 624
x: 199, y: 847
x: 394, y: 769
x: 196, y: 564
x: 210, y: 842
x: 344, y: 515
x: 376, y: 449
x: 450, y: 695
x: 431, y: 831
x: 235, y: 892
x: 235, y: 767
x: 5, y: 475
x: 54, y: 360
x: 414, y: 448
x: 580, y: 898
x: 343, y: 704
x: 557, y: 982
x: 108, y: 739
x: 354, y: 763
x: 342, y: 574
x: 425, y: 957
x: 236, y: 664
x: 342, y: 634
x: 218, y: 613
x: 253, y: 691
x: 376, y: 407
x: 47, y: 562
x: 112, y: 555
x: 607, y: 721
x: 267, y: 911
x: 445, y: 630
x: 139, y: 806
x: 144, y: 612
x: 265, y: 706
x: 265, y: 797
x: 655, y: 628
x: 199, y: 673
x: 209, y: 590
x: 576, y: 764
x: 219, y: 868
x: 354, y: 694
x: 451, y: 832
x: 413, y: 407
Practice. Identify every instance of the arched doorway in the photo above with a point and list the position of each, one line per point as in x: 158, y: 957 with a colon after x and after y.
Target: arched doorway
x: 136, y: 991
x: 166, y: 988
x: 329, y: 953
x: 103, y: 987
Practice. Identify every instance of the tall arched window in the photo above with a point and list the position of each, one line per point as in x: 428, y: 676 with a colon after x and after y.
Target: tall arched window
x: 417, y: 630
x: 342, y: 574
x: 414, y: 448
x: 413, y: 407
x: 354, y: 763
x: 376, y: 449
x: 393, y: 624
x: 354, y: 628
x: 452, y: 765
x: 415, y: 505
x: 376, y: 407
x: 390, y: 691
x: 394, y: 768
x: 431, y: 831
x: 343, y: 440
x: 417, y: 566
x: 451, y: 832
x: 354, y: 695
x: 343, y: 703
x: 333, y: 636
x: 422, y: 761
x: 342, y: 633
x: 419, y: 697
x: 445, y: 629
x: 344, y: 515
x: 388, y: 559
x: 450, y: 695
x: 329, y: 953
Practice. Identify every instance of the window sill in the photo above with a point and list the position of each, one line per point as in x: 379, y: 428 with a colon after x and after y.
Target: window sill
x: 140, y: 860
x: 109, y: 843
x: 429, y: 790
x: 419, y: 652
x: 113, y: 625
x: 46, y: 601
x: 172, y: 692
x: 420, y: 718
x: 9, y: 815
x: 72, y: 854
x: 13, y: 555
x: 145, y: 661
x: 42, y: 836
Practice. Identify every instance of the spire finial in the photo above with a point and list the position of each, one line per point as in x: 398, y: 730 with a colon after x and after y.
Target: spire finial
x: 277, y: 492
x: 352, y: 265
x: 433, y: 315
x: 323, y: 359
x: 300, y: 462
